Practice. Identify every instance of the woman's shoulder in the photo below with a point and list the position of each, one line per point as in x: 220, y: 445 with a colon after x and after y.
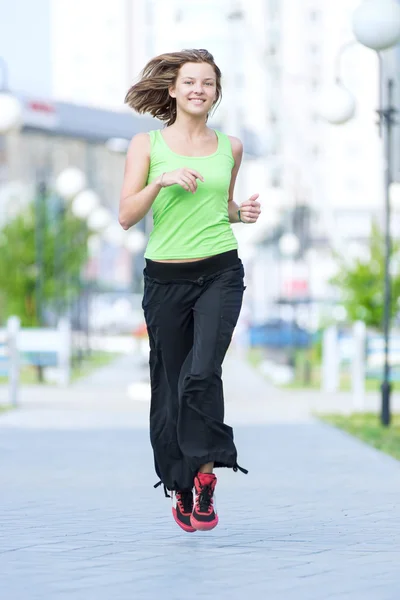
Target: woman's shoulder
x: 144, y: 141
x: 141, y: 138
x: 236, y: 144
x: 145, y: 136
x: 233, y: 145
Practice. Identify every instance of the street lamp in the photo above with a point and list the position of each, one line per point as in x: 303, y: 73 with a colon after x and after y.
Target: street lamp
x: 135, y: 241
x: 337, y: 104
x: 10, y: 107
x: 70, y: 183
x: 113, y: 234
x: 99, y: 219
x: 289, y: 246
x: 376, y: 25
x: 84, y: 204
x: 117, y: 145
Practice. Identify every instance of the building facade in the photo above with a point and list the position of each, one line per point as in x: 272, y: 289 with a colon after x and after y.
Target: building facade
x: 57, y: 135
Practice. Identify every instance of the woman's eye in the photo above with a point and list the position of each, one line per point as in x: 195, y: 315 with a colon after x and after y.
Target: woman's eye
x: 188, y: 82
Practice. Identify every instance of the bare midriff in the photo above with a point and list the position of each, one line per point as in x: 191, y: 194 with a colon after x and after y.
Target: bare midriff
x: 187, y: 260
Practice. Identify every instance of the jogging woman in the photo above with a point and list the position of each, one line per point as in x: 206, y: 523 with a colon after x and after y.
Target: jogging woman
x: 193, y: 279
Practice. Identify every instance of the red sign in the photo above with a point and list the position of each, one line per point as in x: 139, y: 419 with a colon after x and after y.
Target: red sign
x: 39, y: 106
x: 295, y: 287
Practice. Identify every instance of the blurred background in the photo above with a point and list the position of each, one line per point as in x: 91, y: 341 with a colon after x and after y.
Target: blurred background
x: 302, y: 95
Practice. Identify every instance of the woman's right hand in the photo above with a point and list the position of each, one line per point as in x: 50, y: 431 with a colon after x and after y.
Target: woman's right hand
x: 184, y: 177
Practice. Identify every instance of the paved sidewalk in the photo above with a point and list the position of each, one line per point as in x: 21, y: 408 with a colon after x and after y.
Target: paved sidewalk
x: 318, y: 516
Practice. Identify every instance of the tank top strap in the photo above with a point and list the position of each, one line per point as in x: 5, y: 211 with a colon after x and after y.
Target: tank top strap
x: 224, y: 144
x: 154, y: 141
x: 156, y: 145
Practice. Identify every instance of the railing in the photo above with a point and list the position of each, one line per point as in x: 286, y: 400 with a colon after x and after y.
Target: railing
x: 9, y: 357
x: 40, y: 347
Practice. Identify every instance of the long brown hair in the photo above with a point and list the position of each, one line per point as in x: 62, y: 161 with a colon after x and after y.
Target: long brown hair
x: 151, y: 93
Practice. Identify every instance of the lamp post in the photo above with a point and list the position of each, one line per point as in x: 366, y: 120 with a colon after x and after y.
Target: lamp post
x: 376, y: 25
x: 289, y: 246
x: 84, y: 206
x: 69, y: 184
x: 135, y: 242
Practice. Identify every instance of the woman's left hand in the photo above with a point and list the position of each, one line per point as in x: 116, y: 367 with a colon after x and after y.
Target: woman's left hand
x: 250, y: 209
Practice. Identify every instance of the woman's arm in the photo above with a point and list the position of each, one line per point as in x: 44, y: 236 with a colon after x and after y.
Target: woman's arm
x: 237, y: 152
x: 249, y: 209
x: 137, y: 197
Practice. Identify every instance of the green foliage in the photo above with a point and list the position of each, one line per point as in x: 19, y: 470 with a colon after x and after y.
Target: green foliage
x: 361, y: 282
x: 63, y: 243
x: 368, y: 428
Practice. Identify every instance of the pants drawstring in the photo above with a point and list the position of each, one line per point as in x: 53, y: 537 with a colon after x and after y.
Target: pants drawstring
x: 237, y: 468
x: 165, y: 488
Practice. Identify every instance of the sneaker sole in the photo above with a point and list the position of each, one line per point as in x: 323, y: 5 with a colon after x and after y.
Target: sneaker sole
x: 186, y: 528
x: 203, y: 525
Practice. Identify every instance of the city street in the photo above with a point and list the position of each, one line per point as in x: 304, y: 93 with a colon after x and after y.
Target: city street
x: 317, y: 516
x: 141, y: 133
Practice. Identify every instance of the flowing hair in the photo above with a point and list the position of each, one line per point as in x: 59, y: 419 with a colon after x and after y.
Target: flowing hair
x: 151, y: 93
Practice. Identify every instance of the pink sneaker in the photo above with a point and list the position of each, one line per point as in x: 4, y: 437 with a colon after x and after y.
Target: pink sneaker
x: 182, y: 506
x: 204, y: 516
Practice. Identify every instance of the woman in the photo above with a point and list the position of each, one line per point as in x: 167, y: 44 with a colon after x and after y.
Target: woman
x: 193, y: 277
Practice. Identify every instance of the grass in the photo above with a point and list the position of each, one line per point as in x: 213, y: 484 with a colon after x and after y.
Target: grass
x: 371, y: 385
x: 255, y: 358
x: 97, y: 359
x: 367, y: 427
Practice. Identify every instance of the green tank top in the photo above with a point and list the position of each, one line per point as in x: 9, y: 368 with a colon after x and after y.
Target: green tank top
x: 187, y: 225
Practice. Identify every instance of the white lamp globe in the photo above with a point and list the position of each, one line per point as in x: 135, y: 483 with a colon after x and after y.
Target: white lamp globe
x: 118, y: 145
x: 376, y: 24
x: 99, y: 219
x: 289, y: 244
x: 135, y: 241
x: 70, y: 182
x: 114, y: 234
x: 94, y: 244
x: 337, y: 105
x: 84, y: 204
x: 10, y: 113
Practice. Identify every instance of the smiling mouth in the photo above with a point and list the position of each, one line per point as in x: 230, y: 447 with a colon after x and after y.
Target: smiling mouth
x: 196, y: 100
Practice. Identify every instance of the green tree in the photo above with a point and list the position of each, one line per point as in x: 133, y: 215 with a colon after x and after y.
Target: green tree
x: 361, y: 282
x: 64, y: 243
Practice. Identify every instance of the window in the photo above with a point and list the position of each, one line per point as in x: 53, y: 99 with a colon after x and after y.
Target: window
x: 316, y: 151
x: 315, y: 15
x: 352, y: 184
x: 315, y: 84
x: 274, y: 8
x: 276, y: 178
x: 273, y: 118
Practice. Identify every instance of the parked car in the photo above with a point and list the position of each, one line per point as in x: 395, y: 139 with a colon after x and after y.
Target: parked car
x: 278, y: 333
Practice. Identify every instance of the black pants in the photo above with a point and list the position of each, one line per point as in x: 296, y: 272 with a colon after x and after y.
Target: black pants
x: 191, y: 310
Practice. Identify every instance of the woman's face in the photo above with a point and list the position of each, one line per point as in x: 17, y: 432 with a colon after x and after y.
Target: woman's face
x: 195, y: 89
